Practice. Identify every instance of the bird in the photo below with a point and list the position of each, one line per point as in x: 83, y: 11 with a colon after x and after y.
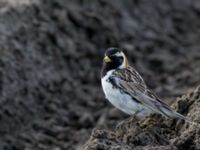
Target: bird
x: 124, y: 87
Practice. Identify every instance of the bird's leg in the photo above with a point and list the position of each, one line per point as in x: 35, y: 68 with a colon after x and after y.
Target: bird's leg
x: 127, y: 120
x: 121, y: 123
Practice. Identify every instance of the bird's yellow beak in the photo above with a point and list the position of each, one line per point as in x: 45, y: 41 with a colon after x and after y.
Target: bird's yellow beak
x: 107, y: 59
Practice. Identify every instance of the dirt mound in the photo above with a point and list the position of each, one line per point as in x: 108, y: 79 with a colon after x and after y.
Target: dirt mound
x: 50, y: 58
x: 155, y: 132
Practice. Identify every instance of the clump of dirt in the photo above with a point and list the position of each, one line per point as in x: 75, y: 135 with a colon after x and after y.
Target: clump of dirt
x: 51, y: 54
x: 154, y: 132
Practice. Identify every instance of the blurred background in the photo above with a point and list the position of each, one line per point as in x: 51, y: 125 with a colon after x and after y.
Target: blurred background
x: 50, y: 60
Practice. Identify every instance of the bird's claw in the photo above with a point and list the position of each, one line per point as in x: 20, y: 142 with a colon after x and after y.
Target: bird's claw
x: 126, y: 121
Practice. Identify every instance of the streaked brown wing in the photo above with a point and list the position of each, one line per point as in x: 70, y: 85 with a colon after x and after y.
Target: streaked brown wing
x: 132, y: 83
x: 156, y: 98
x: 131, y: 76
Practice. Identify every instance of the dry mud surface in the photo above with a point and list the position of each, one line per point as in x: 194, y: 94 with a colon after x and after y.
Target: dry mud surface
x: 155, y: 132
x: 50, y: 58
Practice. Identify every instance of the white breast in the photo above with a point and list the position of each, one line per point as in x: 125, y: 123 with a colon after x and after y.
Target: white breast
x: 123, y: 101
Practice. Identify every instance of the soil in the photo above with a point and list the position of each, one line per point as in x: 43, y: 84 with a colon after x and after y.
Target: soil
x: 154, y: 132
x: 50, y: 59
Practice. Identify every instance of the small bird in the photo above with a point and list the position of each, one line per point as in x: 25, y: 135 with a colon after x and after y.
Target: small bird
x: 126, y: 90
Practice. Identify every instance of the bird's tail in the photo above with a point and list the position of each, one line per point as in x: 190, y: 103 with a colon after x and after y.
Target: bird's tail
x: 180, y: 116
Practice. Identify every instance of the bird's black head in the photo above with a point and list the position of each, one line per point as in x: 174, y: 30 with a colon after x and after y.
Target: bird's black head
x: 114, y: 58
